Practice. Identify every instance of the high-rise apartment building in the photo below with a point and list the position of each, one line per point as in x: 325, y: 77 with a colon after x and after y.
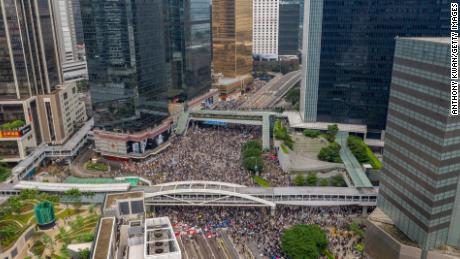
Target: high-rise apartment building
x: 265, y: 29
x: 289, y: 20
x: 30, y: 67
x: 348, y: 48
x: 232, y: 43
x: 420, y: 183
x: 142, y: 56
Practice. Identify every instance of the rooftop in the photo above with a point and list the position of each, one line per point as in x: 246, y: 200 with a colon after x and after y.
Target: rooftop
x: 295, y: 121
x: 111, y: 199
x: 442, y: 40
x: 104, y: 238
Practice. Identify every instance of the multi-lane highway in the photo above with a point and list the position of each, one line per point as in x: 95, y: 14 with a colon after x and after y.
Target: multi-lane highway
x: 272, y: 92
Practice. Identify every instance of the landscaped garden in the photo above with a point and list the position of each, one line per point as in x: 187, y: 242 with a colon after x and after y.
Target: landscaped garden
x: 17, y: 214
x: 97, y: 166
x: 4, y: 171
x: 12, y: 125
x: 311, y: 179
x: 330, y: 153
x: 362, y: 152
x: 280, y: 132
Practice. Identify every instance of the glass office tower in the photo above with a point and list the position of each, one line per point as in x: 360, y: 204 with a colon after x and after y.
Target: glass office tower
x: 351, y: 79
x: 128, y: 63
x: 28, y: 66
x: 142, y: 55
x: 191, y: 48
x: 289, y: 20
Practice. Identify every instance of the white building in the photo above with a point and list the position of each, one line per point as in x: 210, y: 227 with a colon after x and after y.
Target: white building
x: 265, y: 29
x: 72, y: 54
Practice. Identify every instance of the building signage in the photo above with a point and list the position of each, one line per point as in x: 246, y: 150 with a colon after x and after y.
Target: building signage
x: 17, y: 133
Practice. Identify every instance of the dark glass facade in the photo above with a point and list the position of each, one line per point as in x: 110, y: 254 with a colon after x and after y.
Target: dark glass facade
x: 357, y: 46
x: 289, y: 20
x: 29, y: 61
x: 141, y: 55
x: 190, y: 43
x: 127, y: 62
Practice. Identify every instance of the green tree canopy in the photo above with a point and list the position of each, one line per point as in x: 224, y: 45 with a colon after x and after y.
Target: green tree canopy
x: 311, y: 133
x: 304, y: 241
x: 311, y: 179
x: 330, y: 153
x: 299, y: 180
x: 253, y: 164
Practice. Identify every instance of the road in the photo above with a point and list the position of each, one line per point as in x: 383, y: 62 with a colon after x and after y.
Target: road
x: 200, y: 247
x: 272, y: 92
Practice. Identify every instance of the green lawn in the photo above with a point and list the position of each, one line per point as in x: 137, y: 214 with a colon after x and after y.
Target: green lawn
x: 261, y: 181
x: 98, y: 166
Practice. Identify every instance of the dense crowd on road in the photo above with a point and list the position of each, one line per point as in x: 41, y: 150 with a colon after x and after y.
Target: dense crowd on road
x: 209, y: 153
x: 258, y: 231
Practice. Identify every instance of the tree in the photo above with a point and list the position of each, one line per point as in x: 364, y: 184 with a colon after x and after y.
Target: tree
x: 15, y: 204
x: 299, y: 180
x: 358, y: 148
x: 8, y: 231
x: 331, y: 132
x: 330, y: 153
x: 311, y: 133
x: 74, y: 193
x: 249, y: 152
x: 28, y: 194
x: 252, y: 144
x: 5, y: 172
x: 338, y: 181
x: 253, y: 164
x: 332, y: 129
x: 312, y: 179
x: 304, y: 241
x: 293, y: 96
x: 48, y: 242
x: 323, y: 182
x: 83, y: 254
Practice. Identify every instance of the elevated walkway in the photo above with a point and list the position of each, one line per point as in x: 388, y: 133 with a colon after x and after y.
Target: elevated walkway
x: 69, y: 149
x: 182, y: 122
x: 354, y: 168
x: 261, y: 118
x: 201, y: 193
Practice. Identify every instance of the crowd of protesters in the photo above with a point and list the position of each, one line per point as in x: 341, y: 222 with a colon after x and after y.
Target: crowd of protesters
x: 259, y: 231
x: 208, y: 153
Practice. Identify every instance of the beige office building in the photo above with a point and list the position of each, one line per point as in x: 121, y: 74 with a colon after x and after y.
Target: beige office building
x: 61, y: 113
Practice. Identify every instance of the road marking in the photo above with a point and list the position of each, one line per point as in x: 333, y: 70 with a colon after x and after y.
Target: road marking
x: 206, y: 241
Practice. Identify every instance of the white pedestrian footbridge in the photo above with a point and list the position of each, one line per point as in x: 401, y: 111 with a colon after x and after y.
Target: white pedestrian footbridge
x: 203, y: 193
x: 207, y: 193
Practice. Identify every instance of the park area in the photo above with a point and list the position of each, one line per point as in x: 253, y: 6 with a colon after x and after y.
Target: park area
x: 74, y: 224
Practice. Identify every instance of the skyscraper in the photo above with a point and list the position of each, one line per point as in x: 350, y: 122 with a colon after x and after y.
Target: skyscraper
x: 191, y: 47
x: 30, y: 68
x: 420, y: 186
x: 142, y: 55
x: 128, y: 62
x: 265, y: 29
x: 29, y: 55
x: 289, y: 20
x: 349, y: 49
x: 232, y: 43
x: 72, y: 54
